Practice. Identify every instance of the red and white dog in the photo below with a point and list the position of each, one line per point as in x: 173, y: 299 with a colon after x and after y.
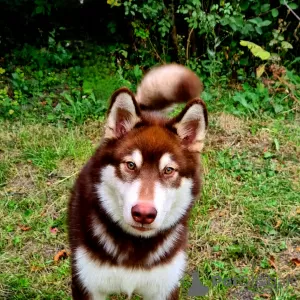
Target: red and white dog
x: 130, y: 205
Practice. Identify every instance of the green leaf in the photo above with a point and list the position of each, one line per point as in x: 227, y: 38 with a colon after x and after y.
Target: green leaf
x: 137, y: 71
x: 275, y: 12
x: 233, y: 26
x: 40, y: 10
x: 273, y: 232
x: 258, y: 30
x: 244, y: 5
x: 256, y: 50
x: 50, y: 117
x: 268, y: 155
x: 244, y: 61
x: 293, y: 5
x: 124, y: 53
x: 286, y: 45
x: 265, y: 7
x: 278, y: 108
x: 256, y: 21
x: 276, y: 143
x: 265, y: 23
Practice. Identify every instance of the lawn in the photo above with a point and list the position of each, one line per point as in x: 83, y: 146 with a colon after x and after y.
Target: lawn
x: 245, y: 225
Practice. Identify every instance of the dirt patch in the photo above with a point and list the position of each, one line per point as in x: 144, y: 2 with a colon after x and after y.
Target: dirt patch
x: 66, y: 168
x: 288, y: 259
x: 23, y: 180
x: 226, y: 223
x: 241, y: 294
x: 230, y: 124
x: 227, y: 131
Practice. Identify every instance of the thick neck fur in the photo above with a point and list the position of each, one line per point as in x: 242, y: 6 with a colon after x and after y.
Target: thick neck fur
x: 93, y: 228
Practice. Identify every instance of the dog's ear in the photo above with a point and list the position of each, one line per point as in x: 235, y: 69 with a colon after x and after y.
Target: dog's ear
x: 191, y: 125
x: 123, y: 114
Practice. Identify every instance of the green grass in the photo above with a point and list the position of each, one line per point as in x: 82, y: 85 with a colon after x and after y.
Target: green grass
x: 248, y: 212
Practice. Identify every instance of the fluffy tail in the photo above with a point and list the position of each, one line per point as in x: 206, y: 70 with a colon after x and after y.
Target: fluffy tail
x: 166, y: 85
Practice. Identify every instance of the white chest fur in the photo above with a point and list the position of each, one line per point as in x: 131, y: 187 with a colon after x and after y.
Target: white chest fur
x: 101, y: 280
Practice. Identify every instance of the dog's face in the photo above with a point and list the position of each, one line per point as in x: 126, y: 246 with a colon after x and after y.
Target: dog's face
x: 152, y: 178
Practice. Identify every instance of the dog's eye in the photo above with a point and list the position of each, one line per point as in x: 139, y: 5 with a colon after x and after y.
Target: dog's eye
x: 131, y: 165
x: 169, y: 170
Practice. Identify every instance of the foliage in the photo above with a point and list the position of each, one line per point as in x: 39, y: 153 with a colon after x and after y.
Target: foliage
x: 66, y: 77
x: 214, y: 30
x: 58, y: 83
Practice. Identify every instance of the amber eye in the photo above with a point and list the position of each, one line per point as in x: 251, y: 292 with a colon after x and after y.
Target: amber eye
x: 169, y: 170
x: 131, y: 165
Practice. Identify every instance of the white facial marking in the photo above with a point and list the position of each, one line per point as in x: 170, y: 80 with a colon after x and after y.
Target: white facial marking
x: 103, y: 279
x: 135, y: 157
x: 118, y: 197
x: 166, y: 161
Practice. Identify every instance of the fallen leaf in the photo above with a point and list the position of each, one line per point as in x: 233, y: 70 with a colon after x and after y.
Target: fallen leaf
x: 54, y: 230
x: 260, y: 70
x: 296, y: 261
x: 222, y: 213
x: 278, y: 223
x: 298, y: 249
x: 267, y: 296
x: 272, y: 262
x: 24, y: 228
x: 35, y: 268
x: 298, y: 210
x: 62, y: 254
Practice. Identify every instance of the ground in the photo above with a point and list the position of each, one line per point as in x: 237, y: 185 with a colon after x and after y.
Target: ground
x: 245, y: 225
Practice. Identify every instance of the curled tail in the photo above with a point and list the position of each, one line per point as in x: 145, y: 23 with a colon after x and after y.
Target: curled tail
x: 166, y: 85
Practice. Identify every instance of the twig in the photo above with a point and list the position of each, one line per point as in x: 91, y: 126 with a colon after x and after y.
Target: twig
x: 292, y: 11
x: 295, y: 33
x: 188, y: 44
x: 66, y: 178
x: 287, y: 111
x: 266, y: 12
x: 156, y: 53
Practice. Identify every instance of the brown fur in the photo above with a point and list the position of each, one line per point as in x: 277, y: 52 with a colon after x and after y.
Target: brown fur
x: 153, y: 136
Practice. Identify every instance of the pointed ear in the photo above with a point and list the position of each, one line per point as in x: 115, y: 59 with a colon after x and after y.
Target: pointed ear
x: 123, y: 114
x: 191, y: 125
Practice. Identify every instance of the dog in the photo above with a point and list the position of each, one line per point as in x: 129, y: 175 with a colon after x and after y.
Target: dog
x: 130, y: 204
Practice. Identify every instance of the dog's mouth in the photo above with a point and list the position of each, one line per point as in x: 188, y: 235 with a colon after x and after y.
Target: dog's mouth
x: 141, y: 228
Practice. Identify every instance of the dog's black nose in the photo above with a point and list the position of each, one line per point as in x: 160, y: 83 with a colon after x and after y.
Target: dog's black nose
x: 143, y: 213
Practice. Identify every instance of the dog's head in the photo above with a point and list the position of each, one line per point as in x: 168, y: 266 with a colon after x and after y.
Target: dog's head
x: 151, y: 172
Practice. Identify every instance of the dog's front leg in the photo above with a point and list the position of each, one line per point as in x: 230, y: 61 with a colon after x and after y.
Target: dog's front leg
x: 99, y: 296
x: 174, y: 295
x: 79, y: 294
